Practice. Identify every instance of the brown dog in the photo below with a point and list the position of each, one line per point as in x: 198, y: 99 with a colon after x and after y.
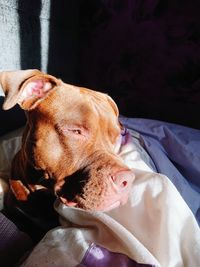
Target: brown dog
x: 68, y: 143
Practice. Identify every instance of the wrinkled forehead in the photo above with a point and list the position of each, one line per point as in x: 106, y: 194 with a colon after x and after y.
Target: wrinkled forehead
x: 80, y: 106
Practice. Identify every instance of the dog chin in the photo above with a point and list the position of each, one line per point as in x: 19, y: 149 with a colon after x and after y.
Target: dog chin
x: 68, y: 203
x: 72, y: 204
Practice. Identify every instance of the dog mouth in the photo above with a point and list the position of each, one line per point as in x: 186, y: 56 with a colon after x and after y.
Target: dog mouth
x: 68, y: 203
x: 72, y: 188
x: 94, y: 206
x: 73, y: 204
x: 80, y: 202
x: 95, y: 194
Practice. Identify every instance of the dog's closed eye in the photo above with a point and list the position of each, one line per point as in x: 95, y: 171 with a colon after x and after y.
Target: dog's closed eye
x: 73, y: 130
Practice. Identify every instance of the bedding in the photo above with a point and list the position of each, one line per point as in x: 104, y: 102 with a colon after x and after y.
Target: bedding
x: 175, y: 152
x: 158, y: 226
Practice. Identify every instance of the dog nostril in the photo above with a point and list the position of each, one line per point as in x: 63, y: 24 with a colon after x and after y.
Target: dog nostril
x: 113, y: 178
x: 124, y: 183
x: 118, y: 181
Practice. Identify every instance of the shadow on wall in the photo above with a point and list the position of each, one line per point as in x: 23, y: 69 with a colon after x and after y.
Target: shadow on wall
x: 30, y: 57
x: 61, y: 52
x: 63, y: 39
x: 48, y: 31
x: 145, y: 54
x: 30, y: 33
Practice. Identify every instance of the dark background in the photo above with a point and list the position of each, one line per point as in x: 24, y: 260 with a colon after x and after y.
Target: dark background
x: 143, y: 53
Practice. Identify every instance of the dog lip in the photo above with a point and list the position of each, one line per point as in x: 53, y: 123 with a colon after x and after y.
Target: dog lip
x: 68, y: 203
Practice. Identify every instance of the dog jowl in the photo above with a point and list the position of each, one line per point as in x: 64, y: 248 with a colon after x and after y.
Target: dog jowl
x: 68, y: 142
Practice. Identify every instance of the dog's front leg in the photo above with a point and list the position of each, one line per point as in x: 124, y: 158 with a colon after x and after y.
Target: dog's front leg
x: 22, y: 192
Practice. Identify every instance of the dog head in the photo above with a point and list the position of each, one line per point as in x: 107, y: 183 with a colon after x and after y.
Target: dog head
x: 70, y: 137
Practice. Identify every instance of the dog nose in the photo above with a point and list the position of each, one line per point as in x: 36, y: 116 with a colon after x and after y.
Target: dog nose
x: 123, y: 179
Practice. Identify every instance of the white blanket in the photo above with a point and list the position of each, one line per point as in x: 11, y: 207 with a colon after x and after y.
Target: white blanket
x: 155, y: 227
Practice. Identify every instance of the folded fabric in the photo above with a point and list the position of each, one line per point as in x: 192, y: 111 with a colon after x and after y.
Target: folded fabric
x: 154, y: 228
x: 13, y: 243
x: 175, y: 152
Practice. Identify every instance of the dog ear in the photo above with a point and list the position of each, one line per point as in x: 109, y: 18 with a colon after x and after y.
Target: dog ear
x: 25, y: 87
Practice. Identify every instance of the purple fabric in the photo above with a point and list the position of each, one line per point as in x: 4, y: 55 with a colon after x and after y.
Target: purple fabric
x: 145, y: 54
x: 97, y: 256
x: 175, y: 151
x: 13, y: 243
